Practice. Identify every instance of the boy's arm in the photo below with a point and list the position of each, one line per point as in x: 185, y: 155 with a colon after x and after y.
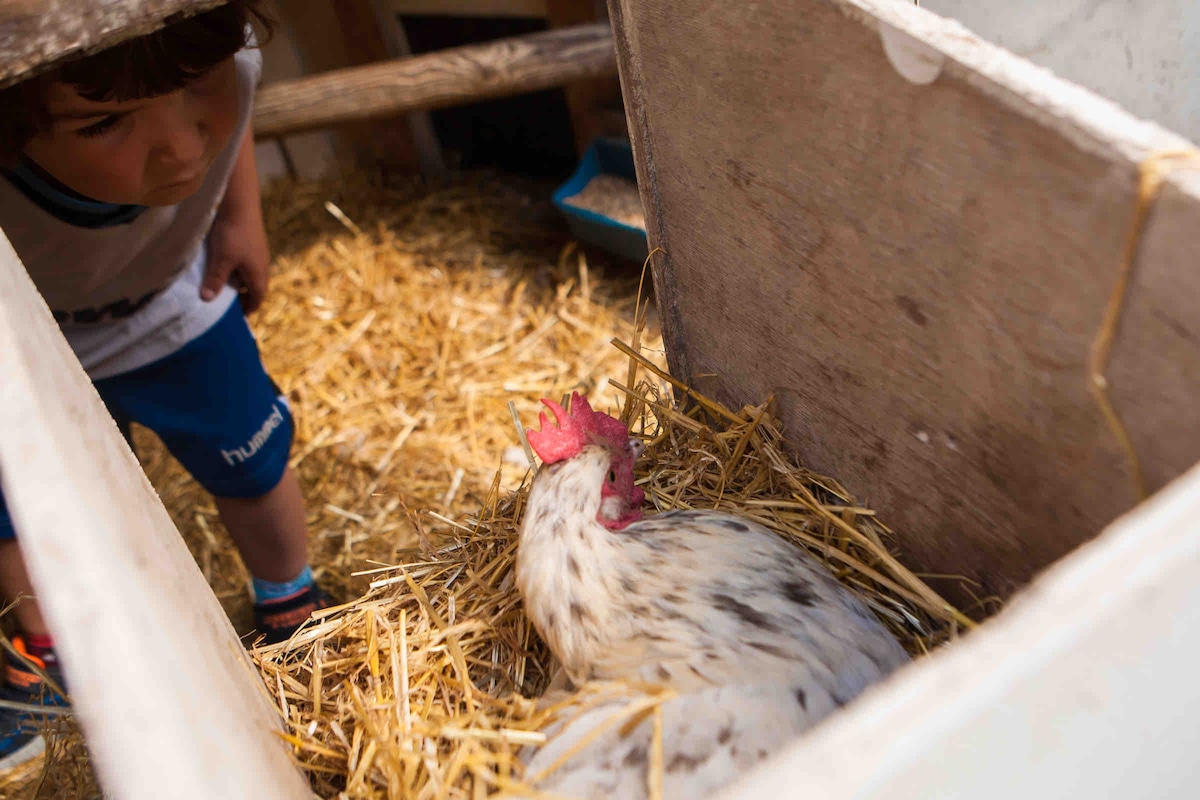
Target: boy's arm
x: 238, y: 242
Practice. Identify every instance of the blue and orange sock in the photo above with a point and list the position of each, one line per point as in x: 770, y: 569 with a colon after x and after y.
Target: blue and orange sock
x: 282, y: 607
x: 276, y: 591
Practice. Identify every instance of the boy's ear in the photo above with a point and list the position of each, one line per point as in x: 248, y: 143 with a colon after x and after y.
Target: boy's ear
x: 22, y: 110
x: 10, y: 151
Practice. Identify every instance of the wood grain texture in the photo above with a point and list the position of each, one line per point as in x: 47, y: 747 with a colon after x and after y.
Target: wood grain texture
x: 36, y: 33
x: 435, y: 80
x: 1083, y: 687
x: 915, y: 270
x: 168, y: 699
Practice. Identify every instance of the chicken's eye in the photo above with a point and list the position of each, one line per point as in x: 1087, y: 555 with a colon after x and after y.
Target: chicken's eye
x: 612, y: 476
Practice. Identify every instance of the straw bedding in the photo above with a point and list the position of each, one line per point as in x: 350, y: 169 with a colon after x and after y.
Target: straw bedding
x: 403, y: 322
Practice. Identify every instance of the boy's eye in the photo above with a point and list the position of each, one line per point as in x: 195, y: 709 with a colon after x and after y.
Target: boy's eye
x: 205, y: 82
x: 99, y: 128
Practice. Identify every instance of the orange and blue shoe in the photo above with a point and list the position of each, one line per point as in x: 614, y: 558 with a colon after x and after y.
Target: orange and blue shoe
x: 25, y: 696
x: 276, y: 620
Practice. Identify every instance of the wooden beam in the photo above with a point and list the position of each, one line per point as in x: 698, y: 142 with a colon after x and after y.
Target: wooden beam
x: 163, y: 688
x: 910, y: 237
x: 34, y: 34
x: 445, y: 78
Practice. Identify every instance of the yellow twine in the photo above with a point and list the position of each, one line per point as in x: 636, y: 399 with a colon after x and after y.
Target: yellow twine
x: 1151, y: 173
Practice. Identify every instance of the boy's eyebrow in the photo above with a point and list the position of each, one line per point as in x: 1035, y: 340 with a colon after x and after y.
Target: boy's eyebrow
x: 57, y: 115
x: 71, y: 109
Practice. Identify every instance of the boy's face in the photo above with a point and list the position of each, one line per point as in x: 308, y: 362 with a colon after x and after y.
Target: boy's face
x: 153, y: 151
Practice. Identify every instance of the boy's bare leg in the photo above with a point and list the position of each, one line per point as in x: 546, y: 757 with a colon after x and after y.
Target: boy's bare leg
x: 14, y: 583
x: 270, y: 531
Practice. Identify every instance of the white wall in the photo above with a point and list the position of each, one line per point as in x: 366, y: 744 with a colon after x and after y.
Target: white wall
x: 1144, y: 54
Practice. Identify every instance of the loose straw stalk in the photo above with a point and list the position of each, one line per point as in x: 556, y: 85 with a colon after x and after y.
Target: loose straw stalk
x: 1151, y: 173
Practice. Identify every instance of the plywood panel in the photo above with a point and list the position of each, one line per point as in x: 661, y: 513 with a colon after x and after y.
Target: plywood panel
x: 166, y: 694
x: 909, y: 237
x: 1085, y: 687
x: 35, y: 33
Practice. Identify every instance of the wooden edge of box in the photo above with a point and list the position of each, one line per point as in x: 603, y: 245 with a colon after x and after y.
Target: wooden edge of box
x: 162, y: 686
x: 728, y: 201
x: 1089, y: 120
x: 1084, y: 686
x: 35, y: 34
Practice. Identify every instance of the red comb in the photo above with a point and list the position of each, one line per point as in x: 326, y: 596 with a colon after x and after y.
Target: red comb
x: 582, y: 425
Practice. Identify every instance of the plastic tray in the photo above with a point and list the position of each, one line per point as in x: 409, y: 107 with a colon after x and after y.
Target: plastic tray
x: 609, y: 157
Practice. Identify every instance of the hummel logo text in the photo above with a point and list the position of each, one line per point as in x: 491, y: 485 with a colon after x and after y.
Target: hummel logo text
x: 247, y: 451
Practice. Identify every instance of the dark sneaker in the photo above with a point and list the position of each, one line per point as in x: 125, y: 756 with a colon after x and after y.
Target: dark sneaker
x: 276, y: 620
x: 22, y: 692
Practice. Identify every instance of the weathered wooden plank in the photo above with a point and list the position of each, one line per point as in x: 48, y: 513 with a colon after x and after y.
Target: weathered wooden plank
x: 909, y: 237
x: 36, y: 33
x: 163, y: 688
x: 457, y: 75
x: 1084, y: 687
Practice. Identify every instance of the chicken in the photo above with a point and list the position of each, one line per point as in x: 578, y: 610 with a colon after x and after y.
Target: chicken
x: 755, y: 640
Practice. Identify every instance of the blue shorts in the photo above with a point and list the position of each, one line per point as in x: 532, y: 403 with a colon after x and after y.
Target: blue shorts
x: 214, y: 407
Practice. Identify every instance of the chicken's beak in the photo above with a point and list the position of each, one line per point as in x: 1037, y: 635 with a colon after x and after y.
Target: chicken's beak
x: 637, y: 446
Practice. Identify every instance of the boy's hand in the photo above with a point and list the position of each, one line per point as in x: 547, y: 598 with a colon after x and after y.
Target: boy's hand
x: 238, y: 250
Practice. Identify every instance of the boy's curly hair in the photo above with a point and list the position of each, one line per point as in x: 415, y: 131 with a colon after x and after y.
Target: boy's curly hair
x: 150, y: 65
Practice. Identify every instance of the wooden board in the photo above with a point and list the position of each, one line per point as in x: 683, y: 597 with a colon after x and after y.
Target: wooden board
x: 435, y: 80
x: 909, y: 237
x: 36, y: 33
x: 168, y: 699
x: 1084, y: 687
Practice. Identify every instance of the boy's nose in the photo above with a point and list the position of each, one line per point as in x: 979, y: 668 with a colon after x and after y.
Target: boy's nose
x: 184, y: 134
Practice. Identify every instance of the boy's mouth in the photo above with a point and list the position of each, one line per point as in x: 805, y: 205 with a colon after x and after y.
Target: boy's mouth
x: 184, y: 181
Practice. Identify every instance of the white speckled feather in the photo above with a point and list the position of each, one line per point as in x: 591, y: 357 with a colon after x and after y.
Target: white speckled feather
x: 757, y: 639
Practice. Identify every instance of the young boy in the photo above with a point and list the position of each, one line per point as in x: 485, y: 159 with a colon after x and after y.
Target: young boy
x: 130, y: 192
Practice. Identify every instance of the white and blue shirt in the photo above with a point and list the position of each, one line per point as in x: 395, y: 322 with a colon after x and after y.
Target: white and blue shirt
x: 123, y: 281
